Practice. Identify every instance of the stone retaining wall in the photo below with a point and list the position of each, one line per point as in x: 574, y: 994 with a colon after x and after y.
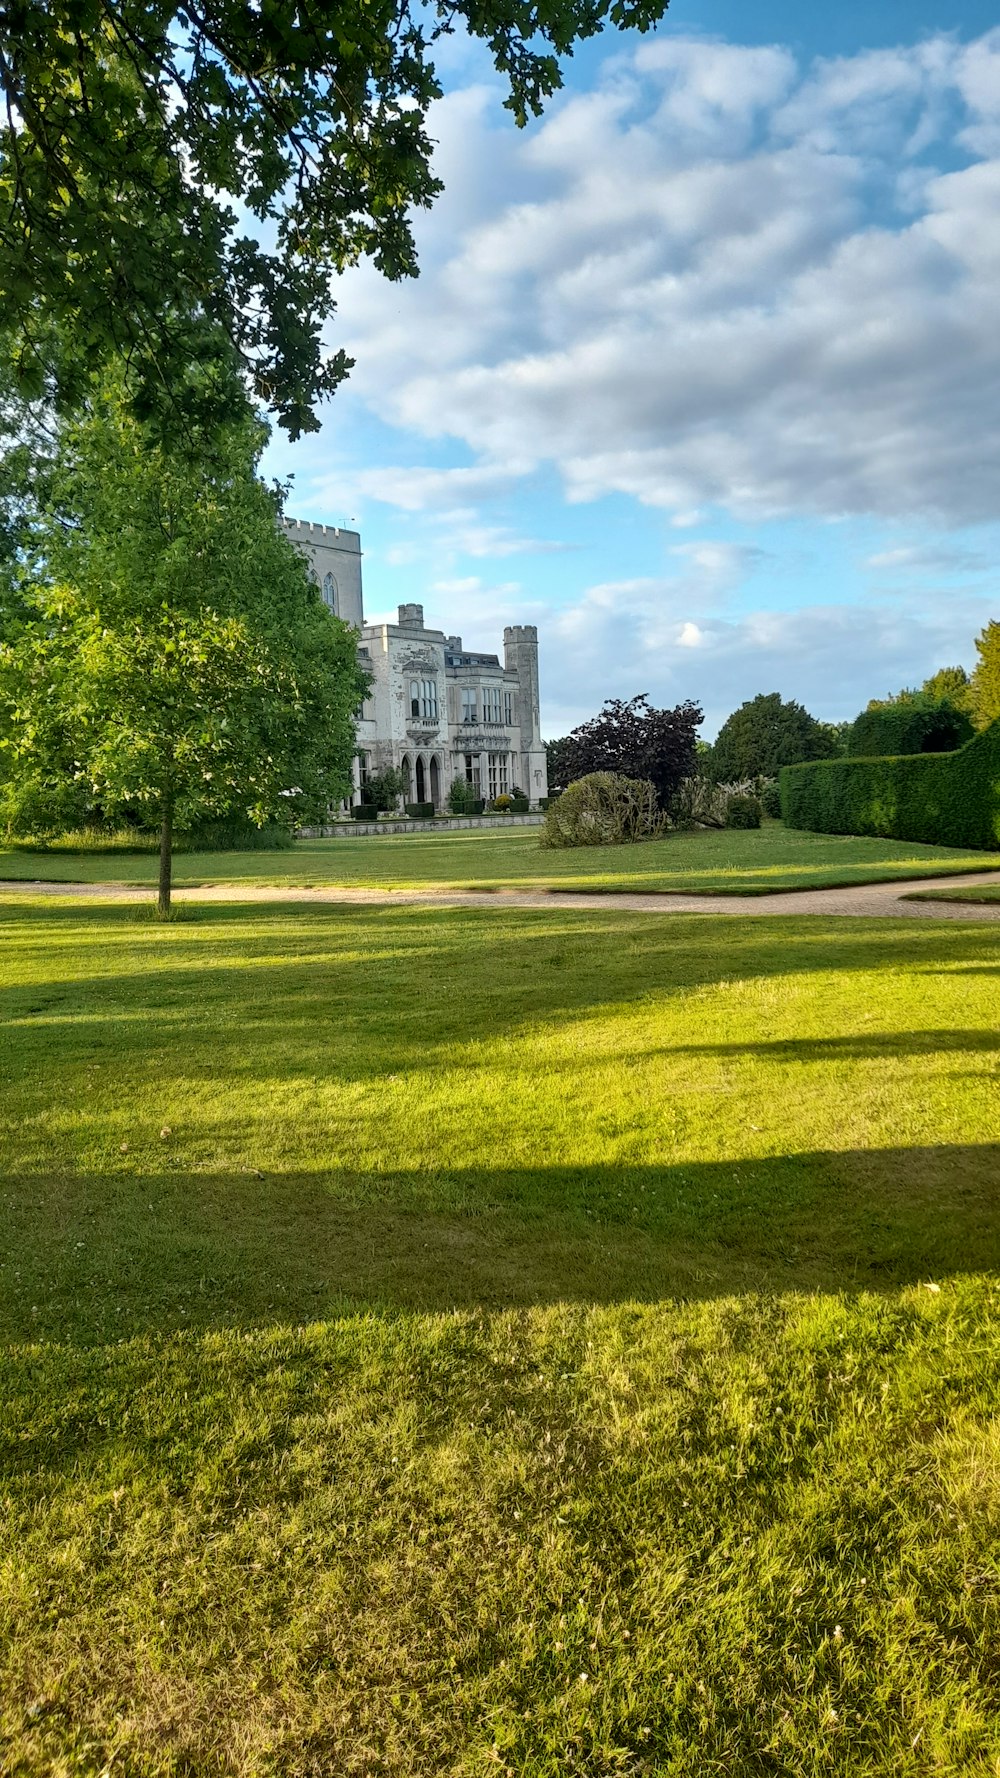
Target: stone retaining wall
x: 347, y: 829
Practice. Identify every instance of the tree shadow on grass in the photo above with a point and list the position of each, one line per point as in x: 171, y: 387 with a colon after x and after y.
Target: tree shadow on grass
x: 302, y: 967
x: 88, y: 1260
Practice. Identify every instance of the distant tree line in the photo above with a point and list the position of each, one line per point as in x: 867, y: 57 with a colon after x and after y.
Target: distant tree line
x: 767, y: 732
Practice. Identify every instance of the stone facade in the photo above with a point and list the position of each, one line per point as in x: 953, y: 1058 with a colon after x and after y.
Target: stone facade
x: 436, y: 710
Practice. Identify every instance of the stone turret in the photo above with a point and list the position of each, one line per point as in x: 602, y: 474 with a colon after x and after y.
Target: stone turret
x: 520, y: 656
x: 335, y: 558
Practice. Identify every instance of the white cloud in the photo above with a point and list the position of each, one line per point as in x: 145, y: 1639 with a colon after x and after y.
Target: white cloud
x: 928, y: 558
x: 696, y: 286
x: 667, y: 641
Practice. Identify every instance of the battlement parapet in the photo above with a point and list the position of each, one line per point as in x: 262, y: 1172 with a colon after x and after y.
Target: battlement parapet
x: 350, y: 540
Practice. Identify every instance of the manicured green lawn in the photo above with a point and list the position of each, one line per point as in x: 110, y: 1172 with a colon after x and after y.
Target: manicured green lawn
x: 712, y: 862
x: 985, y: 892
x: 444, y: 1342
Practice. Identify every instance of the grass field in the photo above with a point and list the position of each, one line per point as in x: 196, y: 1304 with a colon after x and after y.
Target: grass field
x: 708, y: 862
x: 440, y: 1342
x: 984, y: 892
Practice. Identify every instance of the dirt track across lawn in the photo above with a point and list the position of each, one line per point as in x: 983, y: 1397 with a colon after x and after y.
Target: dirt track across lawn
x: 864, y: 900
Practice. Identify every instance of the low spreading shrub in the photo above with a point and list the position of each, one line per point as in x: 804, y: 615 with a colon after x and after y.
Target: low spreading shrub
x: 236, y: 835
x: 939, y: 799
x: 502, y: 804
x: 603, y: 809
x: 216, y: 836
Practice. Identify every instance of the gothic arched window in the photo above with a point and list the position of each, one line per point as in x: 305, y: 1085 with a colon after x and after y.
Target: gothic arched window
x: 330, y: 592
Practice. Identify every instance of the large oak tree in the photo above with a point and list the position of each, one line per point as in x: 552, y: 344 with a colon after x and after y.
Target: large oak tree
x: 163, y: 160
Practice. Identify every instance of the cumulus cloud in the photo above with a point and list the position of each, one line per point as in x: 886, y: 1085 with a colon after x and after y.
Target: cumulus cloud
x: 719, y: 279
x: 617, y: 640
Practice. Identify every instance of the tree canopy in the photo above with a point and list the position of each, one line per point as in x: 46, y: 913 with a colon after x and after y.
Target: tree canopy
x: 632, y: 740
x: 168, y: 656
x: 765, y: 734
x: 164, y: 161
x: 984, y: 687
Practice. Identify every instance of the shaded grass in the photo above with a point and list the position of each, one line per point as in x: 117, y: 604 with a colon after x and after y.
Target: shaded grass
x: 335, y: 1435
x: 706, y: 862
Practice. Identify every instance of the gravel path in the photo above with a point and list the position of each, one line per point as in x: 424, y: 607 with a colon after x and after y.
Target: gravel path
x: 865, y: 900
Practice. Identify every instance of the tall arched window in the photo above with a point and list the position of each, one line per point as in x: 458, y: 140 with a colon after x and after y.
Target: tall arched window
x: 330, y: 592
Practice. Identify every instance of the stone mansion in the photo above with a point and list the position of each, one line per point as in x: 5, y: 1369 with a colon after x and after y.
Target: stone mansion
x: 435, y: 710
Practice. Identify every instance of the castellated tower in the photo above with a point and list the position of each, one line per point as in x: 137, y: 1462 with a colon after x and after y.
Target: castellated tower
x: 334, y: 555
x: 520, y: 656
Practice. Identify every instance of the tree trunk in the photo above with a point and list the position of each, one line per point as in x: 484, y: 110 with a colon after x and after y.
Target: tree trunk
x: 166, y: 848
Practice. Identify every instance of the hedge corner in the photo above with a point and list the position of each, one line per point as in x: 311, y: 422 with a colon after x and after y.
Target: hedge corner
x: 937, y: 799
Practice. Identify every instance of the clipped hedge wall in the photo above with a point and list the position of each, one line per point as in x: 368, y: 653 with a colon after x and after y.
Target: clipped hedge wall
x: 939, y: 799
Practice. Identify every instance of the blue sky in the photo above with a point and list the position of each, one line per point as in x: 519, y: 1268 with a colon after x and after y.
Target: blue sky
x: 701, y: 374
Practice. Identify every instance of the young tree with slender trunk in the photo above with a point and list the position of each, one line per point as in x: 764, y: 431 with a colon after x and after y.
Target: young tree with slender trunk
x: 171, y: 659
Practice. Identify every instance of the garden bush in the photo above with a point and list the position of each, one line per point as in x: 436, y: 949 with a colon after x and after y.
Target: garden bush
x: 423, y: 810
x: 743, y: 811
x: 519, y: 805
x: 699, y: 802
x: 939, y: 799
x: 365, y: 812
x: 502, y: 803
x: 384, y: 789
x: 234, y: 835
x: 462, y: 797
x: 603, y: 809
x: 770, y: 798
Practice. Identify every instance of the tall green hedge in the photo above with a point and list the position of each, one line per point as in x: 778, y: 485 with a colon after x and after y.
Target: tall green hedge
x: 921, y: 725
x: 940, y: 799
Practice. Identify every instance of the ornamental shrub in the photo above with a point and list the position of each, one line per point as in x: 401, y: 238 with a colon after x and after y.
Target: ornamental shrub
x: 461, y: 796
x: 384, y: 789
x: 743, y: 811
x: 603, y: 809
x: 770, y: 798
x: 700, y: 803
x: 938, y: 799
